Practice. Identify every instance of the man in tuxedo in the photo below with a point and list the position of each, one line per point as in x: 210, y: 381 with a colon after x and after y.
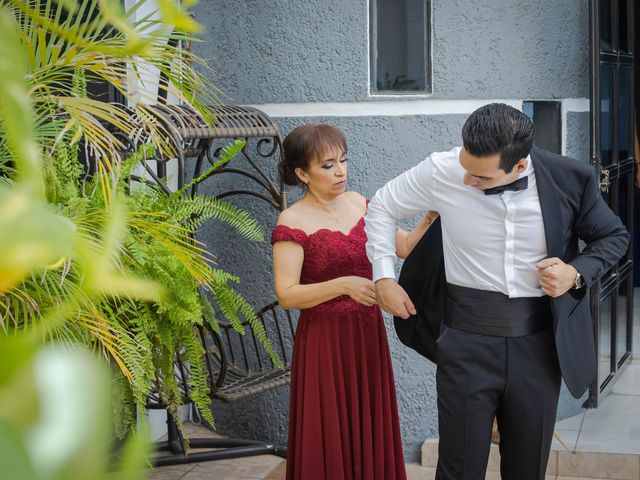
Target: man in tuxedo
x: 514, y: 307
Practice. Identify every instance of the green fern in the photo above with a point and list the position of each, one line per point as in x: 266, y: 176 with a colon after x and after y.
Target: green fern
x: 194, y: 353
x: 193, y: 212
x: 234, y: 306
x: 140, y: 340
x: 229, y: 152
x: 123, y: 405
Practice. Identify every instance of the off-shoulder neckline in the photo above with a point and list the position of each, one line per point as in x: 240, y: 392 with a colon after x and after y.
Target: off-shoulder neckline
x: 308, y: 235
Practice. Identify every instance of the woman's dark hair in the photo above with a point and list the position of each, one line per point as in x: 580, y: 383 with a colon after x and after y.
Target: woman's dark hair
x: 498, y: 129
x: 307, y: 143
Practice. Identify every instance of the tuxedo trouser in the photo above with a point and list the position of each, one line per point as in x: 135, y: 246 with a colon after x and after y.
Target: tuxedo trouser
x: 515, y: 379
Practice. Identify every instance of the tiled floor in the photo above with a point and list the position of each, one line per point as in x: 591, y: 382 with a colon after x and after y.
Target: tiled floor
x: 597, y: 444
x: 614, y: 427
x: 260, y: 467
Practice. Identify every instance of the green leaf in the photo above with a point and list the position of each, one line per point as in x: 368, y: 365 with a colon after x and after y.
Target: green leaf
x: 132, y: 464
x: 32, y: 236
x: 18, y: 395
x: 15, y: 107
x: 13, y: 456
x: 17, y: 348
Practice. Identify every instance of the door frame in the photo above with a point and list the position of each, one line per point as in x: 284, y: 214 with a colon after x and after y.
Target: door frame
x: 611, y: 177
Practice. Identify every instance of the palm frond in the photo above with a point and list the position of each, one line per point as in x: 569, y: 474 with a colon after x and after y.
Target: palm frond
x: 88, y: 295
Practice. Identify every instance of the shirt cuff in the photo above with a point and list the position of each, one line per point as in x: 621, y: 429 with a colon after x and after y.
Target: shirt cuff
x: 384, y: 268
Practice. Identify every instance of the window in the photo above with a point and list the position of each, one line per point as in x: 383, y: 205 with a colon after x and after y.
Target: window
x: 546, y: 116
x: 400, y: 46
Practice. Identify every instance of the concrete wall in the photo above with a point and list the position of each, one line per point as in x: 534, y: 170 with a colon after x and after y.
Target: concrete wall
x: 293, y: 55
x: 313, y: 51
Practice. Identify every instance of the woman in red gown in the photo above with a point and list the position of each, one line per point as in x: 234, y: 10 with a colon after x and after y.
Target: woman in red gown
x: 343, y: 419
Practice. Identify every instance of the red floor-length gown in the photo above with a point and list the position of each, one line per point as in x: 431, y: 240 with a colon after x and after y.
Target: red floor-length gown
x: 343, y: 419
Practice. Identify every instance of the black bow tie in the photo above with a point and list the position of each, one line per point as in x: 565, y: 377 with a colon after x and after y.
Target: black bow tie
x: 520, y: 184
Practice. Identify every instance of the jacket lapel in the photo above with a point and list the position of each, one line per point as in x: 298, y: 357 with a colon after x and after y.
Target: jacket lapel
x: 549, y: 204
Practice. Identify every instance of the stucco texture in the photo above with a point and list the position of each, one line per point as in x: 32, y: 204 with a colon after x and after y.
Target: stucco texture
x: 577, y: 144
x: 285, y: 51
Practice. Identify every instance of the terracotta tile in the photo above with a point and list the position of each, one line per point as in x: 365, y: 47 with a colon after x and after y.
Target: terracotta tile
x: 493, y: 465
x: 493, y: 476
x: 249, y: 467
x: 199, y: 431
x: 216, y: 475
x: 278, y: 473
x: 162, y: 475
x: 171, y: 472
x: 430, y: 453
x: 496, y: 476
x: 430, y: 456
x: 599, y: 465
x: 577, y: 478
x: 552, y: 465
x: 261, y: 460
x: 418, y: 472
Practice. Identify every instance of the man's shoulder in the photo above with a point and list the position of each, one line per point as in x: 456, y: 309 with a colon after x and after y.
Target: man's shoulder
x: 443, y: 163
x: 446, y: 157
x: 559, y: 165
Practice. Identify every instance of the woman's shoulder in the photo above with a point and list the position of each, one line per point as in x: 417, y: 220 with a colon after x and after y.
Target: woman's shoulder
x: 292, y: 216
x: 289, y: 226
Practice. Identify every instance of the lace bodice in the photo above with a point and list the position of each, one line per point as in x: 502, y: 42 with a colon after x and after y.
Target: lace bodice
x: 330, y: 254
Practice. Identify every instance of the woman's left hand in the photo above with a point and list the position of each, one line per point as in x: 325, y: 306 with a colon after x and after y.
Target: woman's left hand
x: 430, y: 217
x: 406, y: 241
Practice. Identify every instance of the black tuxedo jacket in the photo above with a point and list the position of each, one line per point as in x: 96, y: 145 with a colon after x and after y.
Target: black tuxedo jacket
x: 572, y: 209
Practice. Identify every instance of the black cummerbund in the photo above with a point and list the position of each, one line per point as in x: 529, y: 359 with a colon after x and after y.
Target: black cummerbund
x: 494, y: 313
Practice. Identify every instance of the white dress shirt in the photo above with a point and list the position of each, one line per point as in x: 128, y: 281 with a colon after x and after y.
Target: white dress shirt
x: 490, y: 242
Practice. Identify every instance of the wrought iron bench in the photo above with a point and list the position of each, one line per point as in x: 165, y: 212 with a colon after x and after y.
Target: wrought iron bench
x: 237, y: 365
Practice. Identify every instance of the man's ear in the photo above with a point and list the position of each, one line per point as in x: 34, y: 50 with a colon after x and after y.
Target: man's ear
x: 521, y: 165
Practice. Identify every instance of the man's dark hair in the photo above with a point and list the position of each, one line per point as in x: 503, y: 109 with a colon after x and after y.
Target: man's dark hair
x: 498, y: 129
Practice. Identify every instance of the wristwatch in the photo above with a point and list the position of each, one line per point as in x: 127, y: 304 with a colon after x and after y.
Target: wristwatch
x: 579, y: 281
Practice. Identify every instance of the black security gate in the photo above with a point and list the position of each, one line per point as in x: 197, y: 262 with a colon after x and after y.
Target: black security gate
x: 612, y: 153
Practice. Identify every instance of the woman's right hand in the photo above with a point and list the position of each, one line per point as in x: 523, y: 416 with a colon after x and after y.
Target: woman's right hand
x: 361, y: 289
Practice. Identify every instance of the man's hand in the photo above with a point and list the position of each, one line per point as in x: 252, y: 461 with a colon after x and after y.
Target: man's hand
x: 555, y: 276
x: 393, y: 299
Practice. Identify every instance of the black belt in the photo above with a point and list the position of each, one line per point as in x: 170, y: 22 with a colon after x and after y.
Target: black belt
x: 494, y: 313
